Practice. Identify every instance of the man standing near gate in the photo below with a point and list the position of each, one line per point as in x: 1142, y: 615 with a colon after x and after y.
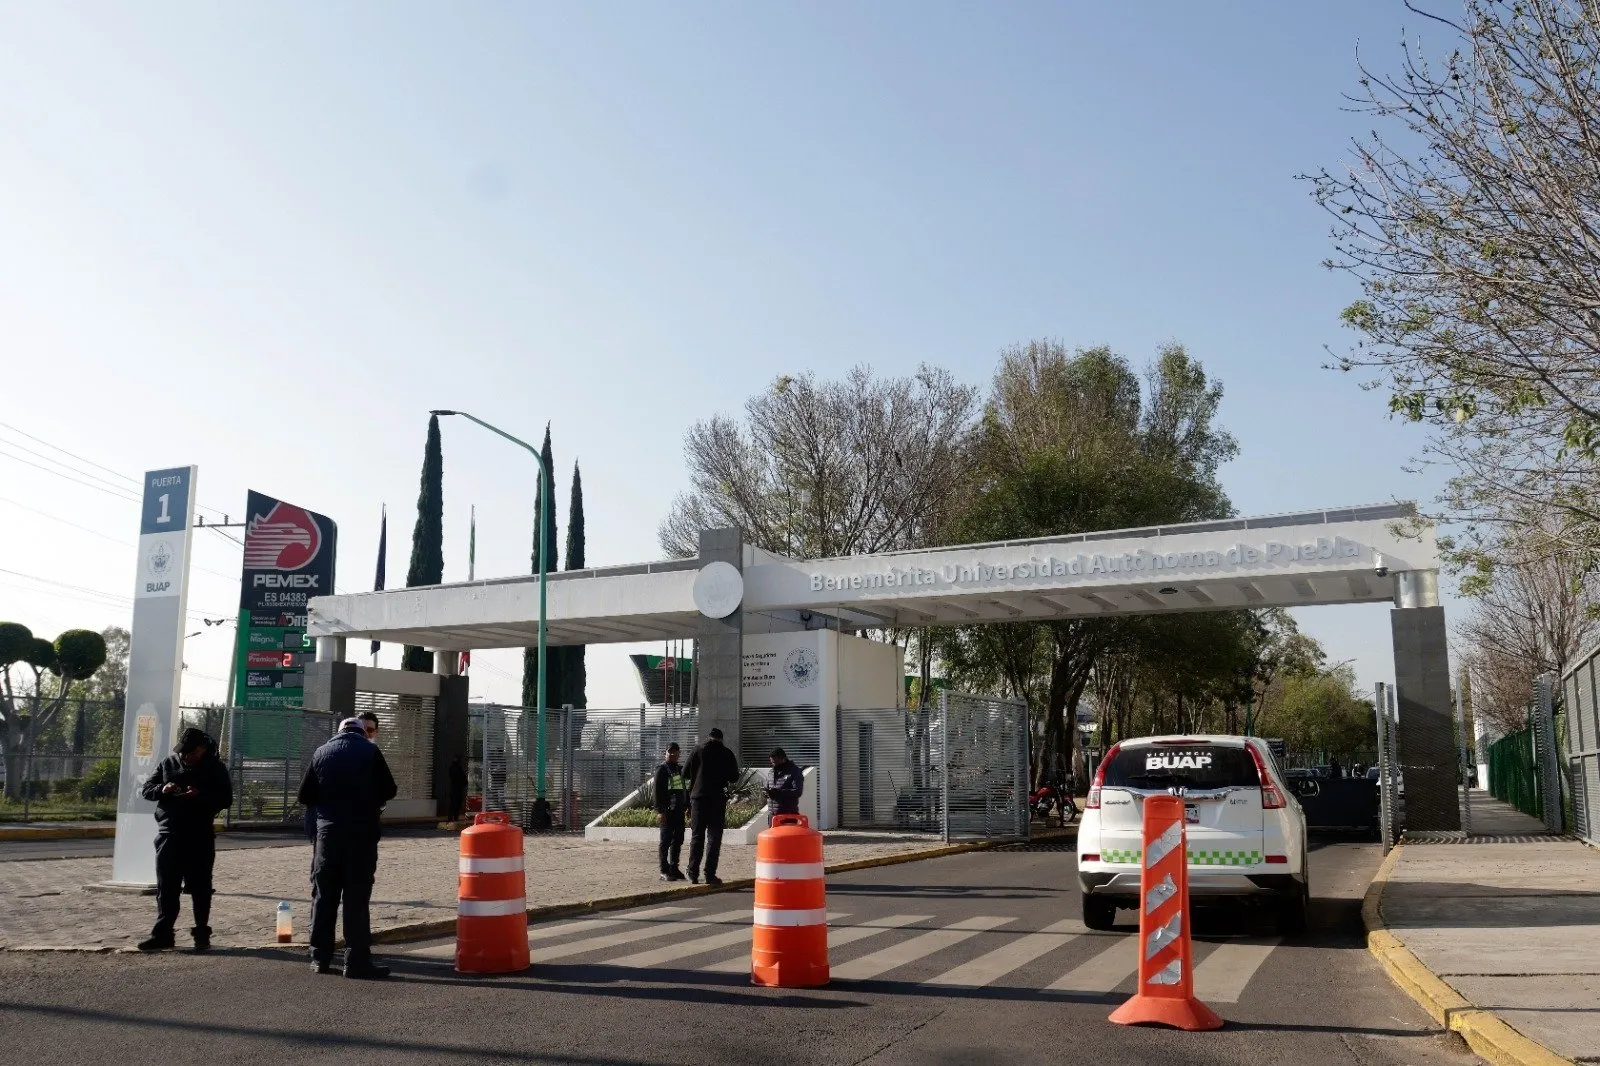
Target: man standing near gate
x: 712, y: 768
x: 348, y: 783
x: 672, y: 803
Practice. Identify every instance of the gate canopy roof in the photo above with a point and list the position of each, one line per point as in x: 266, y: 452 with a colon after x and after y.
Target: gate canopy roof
x: 1319, y: 557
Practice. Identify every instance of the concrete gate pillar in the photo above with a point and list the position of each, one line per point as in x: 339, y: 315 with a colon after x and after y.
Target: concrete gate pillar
x: 1428, y: 753
x: 719, y: 666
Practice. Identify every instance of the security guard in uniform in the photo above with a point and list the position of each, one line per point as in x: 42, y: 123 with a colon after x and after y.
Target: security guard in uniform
x: 672, y: 802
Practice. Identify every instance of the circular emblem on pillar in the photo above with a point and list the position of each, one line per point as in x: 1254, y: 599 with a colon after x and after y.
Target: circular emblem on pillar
x: 801, y: 667
x: 718, y: 590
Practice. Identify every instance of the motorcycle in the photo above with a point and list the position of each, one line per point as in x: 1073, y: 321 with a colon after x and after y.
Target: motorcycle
x: 1047, y: 798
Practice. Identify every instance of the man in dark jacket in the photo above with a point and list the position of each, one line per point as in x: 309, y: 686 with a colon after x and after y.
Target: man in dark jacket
x: 672, y: 803
x: 788, y: 783
x: 188, y: 788
x: 348, y: 783
x: 712, y: 768
x: 458, y: 789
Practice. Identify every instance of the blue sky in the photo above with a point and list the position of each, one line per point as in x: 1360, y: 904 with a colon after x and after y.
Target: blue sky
x: 267, y: 238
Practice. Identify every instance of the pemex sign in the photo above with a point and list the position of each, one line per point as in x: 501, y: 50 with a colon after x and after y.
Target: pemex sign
x: 288, y: 558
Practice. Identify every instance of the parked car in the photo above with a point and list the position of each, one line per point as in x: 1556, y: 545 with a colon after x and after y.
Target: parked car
x: 1246, y: 829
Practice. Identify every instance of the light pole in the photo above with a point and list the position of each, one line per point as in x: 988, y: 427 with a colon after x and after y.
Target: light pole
x: 544, y: 568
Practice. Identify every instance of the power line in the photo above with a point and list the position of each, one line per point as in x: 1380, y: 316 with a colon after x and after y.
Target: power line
x: 124, y: 601
x: 63, y: 451
x: 105, y: 536
x: 99, y: 466
x: 67, y: 477
x: 67, y: 466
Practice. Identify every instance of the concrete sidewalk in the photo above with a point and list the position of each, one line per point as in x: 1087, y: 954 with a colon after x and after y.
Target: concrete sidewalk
x: 44, y: 903
x: 1509, y: 922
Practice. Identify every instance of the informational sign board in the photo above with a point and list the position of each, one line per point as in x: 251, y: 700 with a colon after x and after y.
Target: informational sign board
x: 155, y: 664
x: 288, y: 559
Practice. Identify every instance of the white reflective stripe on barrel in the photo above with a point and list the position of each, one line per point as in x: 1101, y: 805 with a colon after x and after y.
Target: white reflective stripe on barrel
x: 788, y: 871
x: 773, y: 916
x: 491, y: 908
x: 509, y: 865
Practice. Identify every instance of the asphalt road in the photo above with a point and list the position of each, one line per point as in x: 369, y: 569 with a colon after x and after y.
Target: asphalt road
x: 974, y: 958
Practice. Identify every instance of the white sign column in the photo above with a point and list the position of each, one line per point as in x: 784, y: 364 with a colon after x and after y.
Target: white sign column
x: 155, y: 664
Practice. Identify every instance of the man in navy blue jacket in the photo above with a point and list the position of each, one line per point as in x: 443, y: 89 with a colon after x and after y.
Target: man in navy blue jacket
x: 348, y: 783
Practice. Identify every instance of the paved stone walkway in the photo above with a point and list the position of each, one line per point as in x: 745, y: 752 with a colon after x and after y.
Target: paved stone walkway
x: 1510, y: 920
x: 43, y: 903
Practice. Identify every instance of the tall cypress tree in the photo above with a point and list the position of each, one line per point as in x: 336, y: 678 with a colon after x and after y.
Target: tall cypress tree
x: 427, y: 539
x: 574, y: 672
x: 530, y: 656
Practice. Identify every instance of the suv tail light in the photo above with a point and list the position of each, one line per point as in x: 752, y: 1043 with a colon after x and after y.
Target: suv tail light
x: 1092, y: 803
x: 1271, y: 795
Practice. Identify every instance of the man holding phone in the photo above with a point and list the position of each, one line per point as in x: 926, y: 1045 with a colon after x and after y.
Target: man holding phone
x: 189, y: 788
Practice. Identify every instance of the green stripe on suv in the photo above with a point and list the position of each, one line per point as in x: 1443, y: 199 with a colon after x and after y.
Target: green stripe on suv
x: 1196, y: 858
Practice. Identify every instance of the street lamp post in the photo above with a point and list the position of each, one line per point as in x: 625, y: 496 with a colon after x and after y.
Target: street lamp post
x: 544, y: 568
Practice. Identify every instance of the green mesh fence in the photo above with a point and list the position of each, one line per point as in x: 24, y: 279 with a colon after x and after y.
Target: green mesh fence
x: 1514, y: 774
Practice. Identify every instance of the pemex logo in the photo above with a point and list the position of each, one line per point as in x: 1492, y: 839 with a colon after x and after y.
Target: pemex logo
x: 285, y: 538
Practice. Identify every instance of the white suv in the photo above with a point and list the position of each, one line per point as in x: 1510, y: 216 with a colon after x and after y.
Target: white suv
x: 1246, y: 831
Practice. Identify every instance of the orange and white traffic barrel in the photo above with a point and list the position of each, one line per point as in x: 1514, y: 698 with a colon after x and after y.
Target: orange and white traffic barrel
x: 492, y: 905
x: 1165, y: 993
x: 789, y: 947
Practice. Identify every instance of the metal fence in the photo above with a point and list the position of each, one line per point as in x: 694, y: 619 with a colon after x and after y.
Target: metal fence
x: 959, y: 769
x: 594, y: 757
x: 267, y: 751
x: 1580, y: 698
x: 1514, y: 773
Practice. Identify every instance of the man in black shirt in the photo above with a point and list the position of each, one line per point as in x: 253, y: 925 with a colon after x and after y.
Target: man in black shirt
x: 348, y: 783
x: 712, y: 768
x: 188, y: 788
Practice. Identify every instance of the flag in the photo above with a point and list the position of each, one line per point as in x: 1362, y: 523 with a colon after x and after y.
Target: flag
x: 383, y: 553
x: 472, y: 559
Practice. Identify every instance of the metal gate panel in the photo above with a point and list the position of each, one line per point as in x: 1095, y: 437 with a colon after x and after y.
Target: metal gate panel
x: 982, y: 751
x: 267, y: 751
x: 1580, y: 688
x: 405, y: 736
x: 886, y: 776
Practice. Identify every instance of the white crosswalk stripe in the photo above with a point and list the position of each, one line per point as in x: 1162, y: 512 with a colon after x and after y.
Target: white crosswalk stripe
x: 836, y: 938
x: 918, y: 947
x: 688, y: 949
x: 1221, y: 976
x: 1105, y: 971
x: 1099, y: 964
x: 628, y: 936
x: 989, y: 968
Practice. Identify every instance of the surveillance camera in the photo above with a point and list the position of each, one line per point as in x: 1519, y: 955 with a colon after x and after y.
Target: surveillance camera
x: 1379, y: 567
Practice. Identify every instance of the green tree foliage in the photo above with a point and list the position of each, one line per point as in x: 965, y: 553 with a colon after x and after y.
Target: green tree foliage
x: 574, y: 668
x: 1317, y: 712
x: 427, y: 538
x: 1467, y: 216
x: 530, y: 656
x: 1071, y: 441
x: 28, y: 709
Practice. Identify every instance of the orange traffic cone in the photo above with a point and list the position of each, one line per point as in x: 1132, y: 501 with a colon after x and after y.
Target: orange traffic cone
x: 789, y: 945
x: 1165, y: 994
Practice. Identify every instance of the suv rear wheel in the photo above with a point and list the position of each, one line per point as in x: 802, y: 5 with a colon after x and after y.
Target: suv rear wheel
x: 1292, y: 910
x: 1098, y: 913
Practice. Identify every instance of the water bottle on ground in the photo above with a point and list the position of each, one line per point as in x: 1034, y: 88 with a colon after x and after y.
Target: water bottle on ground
x: 285, y: 923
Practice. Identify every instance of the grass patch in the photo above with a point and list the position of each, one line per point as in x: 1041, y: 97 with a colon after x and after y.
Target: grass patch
x: 739, y: 814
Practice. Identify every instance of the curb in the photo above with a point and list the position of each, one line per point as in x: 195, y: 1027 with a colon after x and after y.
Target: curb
x: 60, y: 832
x: 1490, y: 1037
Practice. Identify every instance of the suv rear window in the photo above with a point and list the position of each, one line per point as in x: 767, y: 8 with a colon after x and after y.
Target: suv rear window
x: 1181, y: 765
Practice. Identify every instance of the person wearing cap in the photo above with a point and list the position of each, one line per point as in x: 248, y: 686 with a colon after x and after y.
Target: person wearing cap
x: 672, y: 803
x: 189, y: 788
x: 711, y: 770
x: 348, y: 782
x: 788, y: 783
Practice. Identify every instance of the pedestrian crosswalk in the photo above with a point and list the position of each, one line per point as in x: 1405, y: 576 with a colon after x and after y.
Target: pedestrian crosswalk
x: 940, y: 955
